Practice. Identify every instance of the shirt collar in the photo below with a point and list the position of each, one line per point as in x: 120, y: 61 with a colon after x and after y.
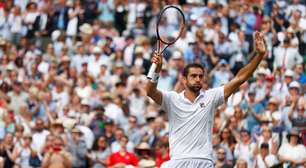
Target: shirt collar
x: 202, y: 92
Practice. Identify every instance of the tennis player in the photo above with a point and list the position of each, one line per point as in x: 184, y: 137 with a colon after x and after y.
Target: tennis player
x: 191, y: 112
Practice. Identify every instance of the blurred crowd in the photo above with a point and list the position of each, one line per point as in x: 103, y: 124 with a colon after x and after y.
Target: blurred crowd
x: 72, y: 76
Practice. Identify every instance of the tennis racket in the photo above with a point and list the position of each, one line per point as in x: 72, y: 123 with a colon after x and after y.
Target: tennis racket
x: 169, y: 28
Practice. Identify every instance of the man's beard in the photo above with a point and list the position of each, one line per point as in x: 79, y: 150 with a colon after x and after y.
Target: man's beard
x: 221, y: 159
x: 194, y: 88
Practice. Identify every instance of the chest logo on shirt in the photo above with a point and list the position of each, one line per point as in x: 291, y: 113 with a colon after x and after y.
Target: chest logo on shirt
x: 202, y: 105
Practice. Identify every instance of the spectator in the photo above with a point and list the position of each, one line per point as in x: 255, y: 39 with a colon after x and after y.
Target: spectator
x: 21, y: 154
x: 228, y: 142
x: 222, y: 162
x: 98, y: 123
x: 165, y: 81
x: 57, y: 156
x: 112, y: 110
x: 100, y: 153
x: 293, y: 153
x: 264, y: 158
x: 145, y: 155
x: 77, y: 147
x: 256, y: 108
x: 286, y: 56
x: 116, y: 145
x: 40, y: 135
x: 221, y: 73
x: 123, y: 157
x: 244, y: 149
x: 18, y: 97
x: 6, y: 150
x: 133, y: 131
x: 162, y: 152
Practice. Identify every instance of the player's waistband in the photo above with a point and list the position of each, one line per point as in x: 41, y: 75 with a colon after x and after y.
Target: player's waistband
x: 193, y: 158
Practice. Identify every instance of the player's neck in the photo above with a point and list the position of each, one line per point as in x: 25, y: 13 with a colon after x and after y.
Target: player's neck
x: 190, y: 95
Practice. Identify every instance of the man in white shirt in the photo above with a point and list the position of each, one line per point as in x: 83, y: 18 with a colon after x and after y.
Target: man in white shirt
x: 190, y: 112
x: 79, y: 58
x: 286, y: 57
x: 115, y: 146
x: 40, y: 135
x: 96, y: 60
x: 112, y: 110
x: 244, y: 149
x: 59, y: 95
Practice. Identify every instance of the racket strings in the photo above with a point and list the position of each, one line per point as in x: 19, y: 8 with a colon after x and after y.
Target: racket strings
x: 170, y: 25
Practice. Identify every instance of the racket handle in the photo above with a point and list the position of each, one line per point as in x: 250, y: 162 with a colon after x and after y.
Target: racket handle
x: 151, y: 71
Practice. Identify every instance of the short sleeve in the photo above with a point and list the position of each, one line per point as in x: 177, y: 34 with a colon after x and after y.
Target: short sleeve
x: 217, y: 94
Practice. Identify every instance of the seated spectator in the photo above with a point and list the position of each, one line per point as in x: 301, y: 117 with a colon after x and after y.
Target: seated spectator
x: 40, y: 135
x: 6, y: 149
x: 133, y: 131
x: 221, y: 74
x: 116, y: 145
x: 264, y: 158
x: 77, y: 148
x: 122, y: 158
x: 109, y: 131
x: 99, y: 154
x: 57, y: 156
x: 162, y: 152
x: 266, y: 137
x: 21, y: 154
x: 221, y: 159
x: 97, y: 125
x: 228, y: 142
x: 47, y: 144
x: 244, y: 149
x: 293, y: 153
x: 145, y: 155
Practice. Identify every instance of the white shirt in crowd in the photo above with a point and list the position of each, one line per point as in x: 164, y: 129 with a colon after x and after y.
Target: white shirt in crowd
x: 245, y: 152
x: 115, y: 113
x: 15, y: 22
x: 286, y: 57
x: 297, y: 152
x: 137, y: 107
x: 39, y: 139
x: 61, y: 99
x: 269, y: 160
x: 78, y: 60
x: 94, y: 64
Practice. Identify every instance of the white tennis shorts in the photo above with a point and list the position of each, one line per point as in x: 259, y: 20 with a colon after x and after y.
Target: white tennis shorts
x: 188, y: 163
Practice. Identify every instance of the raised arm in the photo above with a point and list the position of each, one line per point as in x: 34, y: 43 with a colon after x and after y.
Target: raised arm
x: 247, y: 71
x: 151, y: 90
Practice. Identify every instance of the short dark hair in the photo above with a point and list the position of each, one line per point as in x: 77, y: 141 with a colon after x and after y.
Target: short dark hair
x: 264, y: 145
x: 193, y: 65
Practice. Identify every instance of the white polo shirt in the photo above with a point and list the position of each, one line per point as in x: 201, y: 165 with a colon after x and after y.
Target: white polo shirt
x: 191, y: 124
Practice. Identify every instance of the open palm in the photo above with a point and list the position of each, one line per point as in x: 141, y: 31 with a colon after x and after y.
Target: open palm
x: 259, y: 43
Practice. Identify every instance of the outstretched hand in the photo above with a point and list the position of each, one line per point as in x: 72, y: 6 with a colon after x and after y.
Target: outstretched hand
x: 259, y: 43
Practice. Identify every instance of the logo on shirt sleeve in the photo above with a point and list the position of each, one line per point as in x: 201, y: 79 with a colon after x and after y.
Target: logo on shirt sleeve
x: 202, y: 105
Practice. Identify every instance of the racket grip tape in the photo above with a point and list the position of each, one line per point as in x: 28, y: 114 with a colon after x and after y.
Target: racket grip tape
x: 152, y: 71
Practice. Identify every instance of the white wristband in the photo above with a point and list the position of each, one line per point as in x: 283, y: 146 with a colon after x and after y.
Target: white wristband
x: 155, y: 77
